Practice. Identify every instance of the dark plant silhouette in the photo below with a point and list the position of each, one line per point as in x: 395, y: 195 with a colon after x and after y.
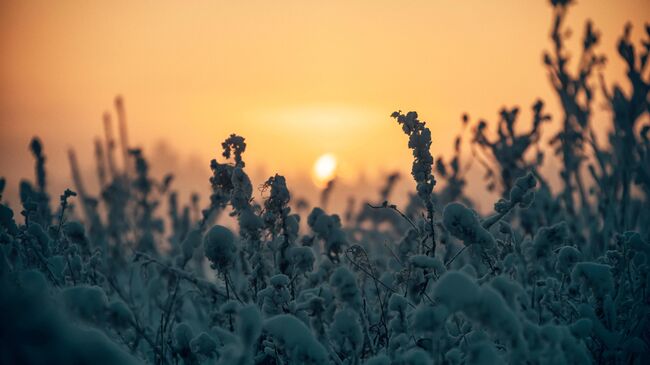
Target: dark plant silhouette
x: 107, y: 278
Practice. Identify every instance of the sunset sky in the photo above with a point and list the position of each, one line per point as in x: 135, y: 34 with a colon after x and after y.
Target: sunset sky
x: 298, y: 79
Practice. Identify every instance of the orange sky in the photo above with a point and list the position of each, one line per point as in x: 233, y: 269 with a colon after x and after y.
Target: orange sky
x: 297, y: 78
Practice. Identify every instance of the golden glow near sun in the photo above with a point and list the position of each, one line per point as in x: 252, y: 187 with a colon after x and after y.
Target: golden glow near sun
x: 324, y: 169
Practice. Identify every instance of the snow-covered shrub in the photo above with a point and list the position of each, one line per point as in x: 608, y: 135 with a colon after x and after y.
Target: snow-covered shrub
x: 547, y: 278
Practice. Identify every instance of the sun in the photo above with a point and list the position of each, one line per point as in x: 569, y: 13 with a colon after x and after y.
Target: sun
x: 324, y: 169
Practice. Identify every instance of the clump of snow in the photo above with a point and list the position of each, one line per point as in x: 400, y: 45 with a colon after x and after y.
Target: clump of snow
x: 89, y: 302
x: 345, y: 287
x: 220, y: 248
x: 296, y: 339
x: 463, y: 223
x: 597, y: 277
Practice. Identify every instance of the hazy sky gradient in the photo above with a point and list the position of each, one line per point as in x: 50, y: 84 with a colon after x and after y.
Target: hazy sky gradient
x: 297, y: 78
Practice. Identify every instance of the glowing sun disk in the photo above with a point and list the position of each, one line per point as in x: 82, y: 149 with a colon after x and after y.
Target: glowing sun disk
x: 324, y: 169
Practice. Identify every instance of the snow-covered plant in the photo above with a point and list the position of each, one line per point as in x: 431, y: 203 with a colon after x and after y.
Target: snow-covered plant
x: 508, y: 152
x: 421, y: 170
x: 546, y: 278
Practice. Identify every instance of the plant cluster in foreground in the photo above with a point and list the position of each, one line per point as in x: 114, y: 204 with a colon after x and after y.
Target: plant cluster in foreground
x: 545, y: 279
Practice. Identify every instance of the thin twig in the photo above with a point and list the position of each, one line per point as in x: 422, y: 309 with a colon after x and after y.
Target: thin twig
x: 456, y: 255
x: 234, y: 291
x: 385, y: 205
x: 200, y: 283
x: 368, y: 273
